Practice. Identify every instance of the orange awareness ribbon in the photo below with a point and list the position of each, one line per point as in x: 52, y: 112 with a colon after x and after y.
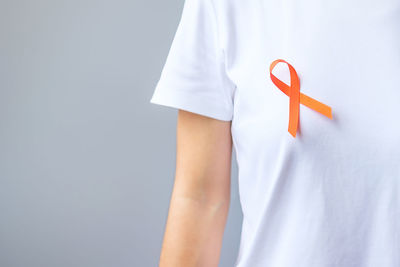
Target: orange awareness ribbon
x: 296, y: 97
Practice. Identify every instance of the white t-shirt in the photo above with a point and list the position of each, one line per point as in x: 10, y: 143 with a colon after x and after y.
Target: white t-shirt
x: 330, y: 195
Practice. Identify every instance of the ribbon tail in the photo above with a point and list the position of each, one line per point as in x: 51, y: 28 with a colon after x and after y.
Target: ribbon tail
x: 316, y: 105
x: 294, y: 108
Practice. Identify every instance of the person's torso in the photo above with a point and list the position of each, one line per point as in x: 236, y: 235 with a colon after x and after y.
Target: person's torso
x: 329, y: 196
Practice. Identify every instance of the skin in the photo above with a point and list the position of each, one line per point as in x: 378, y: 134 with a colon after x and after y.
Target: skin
x: 200, y: 198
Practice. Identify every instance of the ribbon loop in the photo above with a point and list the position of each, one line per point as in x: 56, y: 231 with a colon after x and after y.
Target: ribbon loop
x: 296, y: 97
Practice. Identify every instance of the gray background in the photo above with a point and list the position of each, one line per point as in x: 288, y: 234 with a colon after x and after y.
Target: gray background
x: 86, y: 162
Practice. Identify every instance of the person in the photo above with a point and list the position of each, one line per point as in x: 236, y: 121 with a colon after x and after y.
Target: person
x: 316, y: 189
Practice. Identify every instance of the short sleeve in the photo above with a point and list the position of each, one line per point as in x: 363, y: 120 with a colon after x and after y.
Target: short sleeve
x: 194, y: 75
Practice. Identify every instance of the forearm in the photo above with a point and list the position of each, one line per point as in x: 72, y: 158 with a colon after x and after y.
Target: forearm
x: 194, y: 231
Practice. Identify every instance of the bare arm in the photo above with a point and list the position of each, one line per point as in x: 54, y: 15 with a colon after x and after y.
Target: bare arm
x: 201, y: 194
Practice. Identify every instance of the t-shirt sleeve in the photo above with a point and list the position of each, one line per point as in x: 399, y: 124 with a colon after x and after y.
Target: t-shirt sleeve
x: 194, y: 76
